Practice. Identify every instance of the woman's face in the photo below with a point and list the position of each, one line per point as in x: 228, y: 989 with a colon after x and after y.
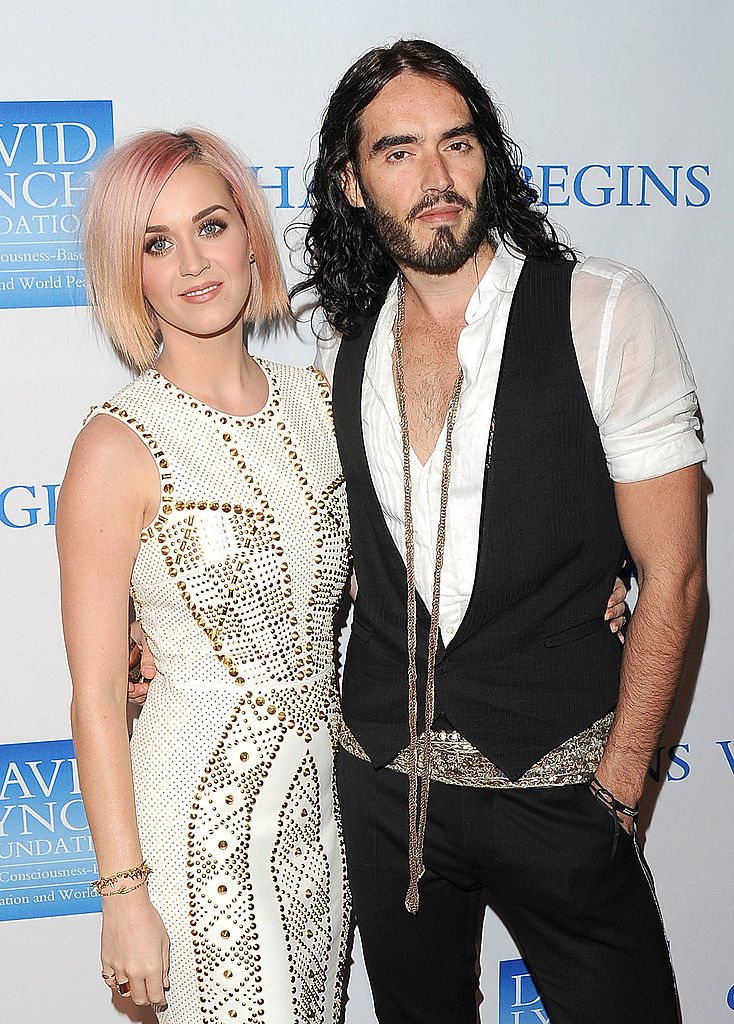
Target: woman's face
x: 196, y: 261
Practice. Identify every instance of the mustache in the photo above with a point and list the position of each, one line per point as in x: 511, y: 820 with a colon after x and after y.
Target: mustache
x: 429, y: 201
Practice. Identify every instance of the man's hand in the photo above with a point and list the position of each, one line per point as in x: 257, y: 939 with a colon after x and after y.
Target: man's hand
x: 141, y: 667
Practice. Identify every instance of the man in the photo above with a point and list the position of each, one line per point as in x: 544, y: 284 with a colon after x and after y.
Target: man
x: 511, y: 422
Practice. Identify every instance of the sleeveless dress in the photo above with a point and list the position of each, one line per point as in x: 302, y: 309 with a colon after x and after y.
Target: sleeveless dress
x: 236, y: 584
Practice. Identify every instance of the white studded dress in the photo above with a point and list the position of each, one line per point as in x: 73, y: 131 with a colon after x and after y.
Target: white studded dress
x: 236, y: 584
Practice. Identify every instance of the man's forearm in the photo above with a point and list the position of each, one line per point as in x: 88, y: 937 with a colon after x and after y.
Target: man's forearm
x: 655, y: 650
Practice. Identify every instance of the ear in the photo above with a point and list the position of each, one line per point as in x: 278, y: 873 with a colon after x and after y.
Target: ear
x: 350, y: 186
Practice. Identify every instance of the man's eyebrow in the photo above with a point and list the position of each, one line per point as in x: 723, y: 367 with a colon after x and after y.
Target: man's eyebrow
x: 461, y: 129
x: 388, y: 141
x: 157, y: 228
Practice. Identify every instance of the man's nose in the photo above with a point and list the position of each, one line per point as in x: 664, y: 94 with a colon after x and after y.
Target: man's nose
x: 436, y: 175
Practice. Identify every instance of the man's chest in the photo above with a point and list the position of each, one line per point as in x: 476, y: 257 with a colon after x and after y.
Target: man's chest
x: 430, y: 371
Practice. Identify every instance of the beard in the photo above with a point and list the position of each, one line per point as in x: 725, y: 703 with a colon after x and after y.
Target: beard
x: 446, y: 253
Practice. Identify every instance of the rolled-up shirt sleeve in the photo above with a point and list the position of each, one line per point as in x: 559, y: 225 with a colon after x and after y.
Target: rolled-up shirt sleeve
x: 640, y: 383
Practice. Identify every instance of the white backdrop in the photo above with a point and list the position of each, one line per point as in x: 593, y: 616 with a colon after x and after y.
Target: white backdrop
x: 638, y: 92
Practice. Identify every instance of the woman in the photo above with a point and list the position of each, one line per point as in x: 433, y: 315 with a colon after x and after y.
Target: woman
x: 211, y: 488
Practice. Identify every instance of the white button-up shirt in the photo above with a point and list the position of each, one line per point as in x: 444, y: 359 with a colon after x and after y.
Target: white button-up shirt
x: 637, y: 377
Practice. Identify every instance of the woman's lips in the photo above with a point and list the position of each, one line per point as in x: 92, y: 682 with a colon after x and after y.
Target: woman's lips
x: 203, y: 293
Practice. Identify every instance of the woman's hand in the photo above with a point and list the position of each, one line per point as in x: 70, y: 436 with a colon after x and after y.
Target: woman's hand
x: 140, y: 666
x: 617, y: 611
x: 135, y: 947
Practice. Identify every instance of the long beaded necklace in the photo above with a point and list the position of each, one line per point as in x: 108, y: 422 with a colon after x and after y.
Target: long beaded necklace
x: 420, y: 747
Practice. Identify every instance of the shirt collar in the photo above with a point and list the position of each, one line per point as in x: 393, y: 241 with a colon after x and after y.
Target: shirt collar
x: 499, y: 279
x: 500, y: 276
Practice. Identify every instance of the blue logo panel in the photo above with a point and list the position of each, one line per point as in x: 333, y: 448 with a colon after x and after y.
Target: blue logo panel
x: 518, y: 1000
x: 47, y: 860
x: 24, y: 505
x: 47, y: 149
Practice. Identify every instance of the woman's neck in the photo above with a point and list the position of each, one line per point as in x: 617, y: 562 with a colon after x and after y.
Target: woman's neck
x: 220, y: 372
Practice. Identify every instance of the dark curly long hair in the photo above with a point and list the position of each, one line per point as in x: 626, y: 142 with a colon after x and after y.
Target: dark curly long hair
x: 346, y: 265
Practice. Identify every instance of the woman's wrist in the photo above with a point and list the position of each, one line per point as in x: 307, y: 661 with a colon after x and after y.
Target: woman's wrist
x: 130, y: 902
x: 123, y: 882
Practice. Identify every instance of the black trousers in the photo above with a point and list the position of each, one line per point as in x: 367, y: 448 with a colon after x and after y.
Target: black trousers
x: 586, y: 921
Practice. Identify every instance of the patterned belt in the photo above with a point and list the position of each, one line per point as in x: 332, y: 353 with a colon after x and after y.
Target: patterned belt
x: 456, y: 762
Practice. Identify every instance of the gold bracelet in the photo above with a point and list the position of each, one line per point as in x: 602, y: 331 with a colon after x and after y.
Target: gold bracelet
x: 123, y: 889
x: 141, y: 871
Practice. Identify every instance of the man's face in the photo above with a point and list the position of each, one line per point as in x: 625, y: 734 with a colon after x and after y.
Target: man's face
x: 421, y: 175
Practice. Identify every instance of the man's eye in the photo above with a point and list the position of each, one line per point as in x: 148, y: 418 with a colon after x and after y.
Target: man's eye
x: 398, y: 155
x: 460, y: 147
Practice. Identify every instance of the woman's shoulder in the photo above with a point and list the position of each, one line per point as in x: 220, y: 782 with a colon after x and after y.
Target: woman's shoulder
x: 303, y: 397
x: 288, y: 370
x: 110, y: 473
x: 304, y: 383
x: 130, y: 394
x: 105, y: 441
x: 110, y: 428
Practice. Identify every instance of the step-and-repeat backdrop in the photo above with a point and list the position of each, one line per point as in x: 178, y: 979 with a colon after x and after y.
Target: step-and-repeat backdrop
x: 623, y: 113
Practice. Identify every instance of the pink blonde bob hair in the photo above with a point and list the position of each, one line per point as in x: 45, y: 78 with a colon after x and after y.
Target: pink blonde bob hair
x: 125, y: 186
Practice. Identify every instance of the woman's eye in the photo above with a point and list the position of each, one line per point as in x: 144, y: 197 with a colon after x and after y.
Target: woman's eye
x: 212, y: 227
x: 157, y: 245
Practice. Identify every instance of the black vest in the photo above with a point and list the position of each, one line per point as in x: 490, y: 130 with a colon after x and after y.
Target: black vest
x: 533, y: 662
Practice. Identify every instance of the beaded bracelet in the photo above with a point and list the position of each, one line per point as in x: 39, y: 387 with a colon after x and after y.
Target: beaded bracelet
x: 614, y: 806
x: 141, y: 871
x: 610, y: 801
